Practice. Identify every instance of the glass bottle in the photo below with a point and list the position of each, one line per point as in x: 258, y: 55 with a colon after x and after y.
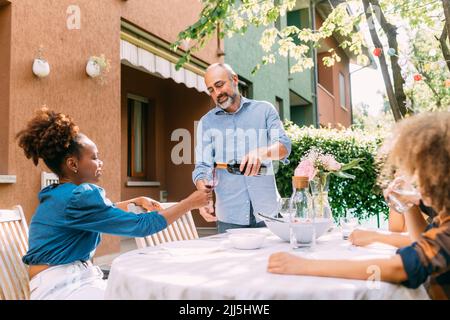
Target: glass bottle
x: 233, y: 168
x: 301, y: 223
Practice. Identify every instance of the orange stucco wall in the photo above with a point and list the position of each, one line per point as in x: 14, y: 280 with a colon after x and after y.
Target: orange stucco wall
x: 326, y: 103
x: 330, y: 110
x: 5, y: 58
x: 96, y: 108
x: 176, y: 107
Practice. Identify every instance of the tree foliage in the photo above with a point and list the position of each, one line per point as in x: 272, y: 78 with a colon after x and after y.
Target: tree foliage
x: 229, y: 17
x: 384, y: 19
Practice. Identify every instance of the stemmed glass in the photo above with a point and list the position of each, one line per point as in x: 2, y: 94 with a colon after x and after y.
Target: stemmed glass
x: 211, y: 182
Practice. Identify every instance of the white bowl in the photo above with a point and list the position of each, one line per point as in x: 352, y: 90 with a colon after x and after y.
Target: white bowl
x: 247, y: 231
x: 246, y: 241
x: 281, y: 229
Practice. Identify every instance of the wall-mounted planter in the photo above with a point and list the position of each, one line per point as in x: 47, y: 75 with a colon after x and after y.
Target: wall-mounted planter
x: 98, y: 68
x: 41, y: 68
x: 93, y: 69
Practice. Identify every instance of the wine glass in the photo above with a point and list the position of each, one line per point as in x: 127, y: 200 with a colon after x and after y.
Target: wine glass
x: 403, y: 195
x: 211, y: 182
x: 212, y: 179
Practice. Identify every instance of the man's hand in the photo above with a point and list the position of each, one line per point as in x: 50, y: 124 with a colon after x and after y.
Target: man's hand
x: 251, y: 162
x: 207, y: 214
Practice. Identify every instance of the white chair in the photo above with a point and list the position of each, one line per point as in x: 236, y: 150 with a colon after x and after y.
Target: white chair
x: 48, y: 178
x: 14, y: 281
x: 181, y: 229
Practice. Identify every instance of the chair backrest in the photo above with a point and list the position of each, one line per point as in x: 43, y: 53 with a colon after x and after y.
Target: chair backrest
x: 14, y: 282
x: 48, y: 178
x: 181, y: 229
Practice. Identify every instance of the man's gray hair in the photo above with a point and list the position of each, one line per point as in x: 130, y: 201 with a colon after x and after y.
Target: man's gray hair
x: 225, y: 66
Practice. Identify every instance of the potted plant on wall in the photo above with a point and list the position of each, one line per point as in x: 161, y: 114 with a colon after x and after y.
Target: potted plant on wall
x: 41, y: 67
x: 98, y: 67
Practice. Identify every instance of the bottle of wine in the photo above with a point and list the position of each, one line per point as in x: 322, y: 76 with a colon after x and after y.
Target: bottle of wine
x: 233, y: 168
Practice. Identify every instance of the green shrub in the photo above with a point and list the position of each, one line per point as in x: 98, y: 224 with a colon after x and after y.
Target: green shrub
x: 362, y: 193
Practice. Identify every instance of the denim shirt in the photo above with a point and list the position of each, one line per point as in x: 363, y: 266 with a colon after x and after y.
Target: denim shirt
x: 67, y: 224
x: 224, y: 137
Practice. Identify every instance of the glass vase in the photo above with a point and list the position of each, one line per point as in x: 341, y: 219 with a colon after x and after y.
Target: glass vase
x: 319, y: 190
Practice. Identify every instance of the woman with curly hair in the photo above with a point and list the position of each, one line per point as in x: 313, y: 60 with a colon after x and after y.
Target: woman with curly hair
x: 65, y: 229
x: 421, y: 151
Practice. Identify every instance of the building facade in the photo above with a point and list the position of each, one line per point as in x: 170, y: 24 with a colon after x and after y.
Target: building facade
x: 137, y: 116
x: 320, y: 96
x: 142, y: 114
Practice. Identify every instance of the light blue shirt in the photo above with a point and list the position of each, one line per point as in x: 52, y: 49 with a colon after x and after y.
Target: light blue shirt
x: 223, y: 137
x: 67, y: 224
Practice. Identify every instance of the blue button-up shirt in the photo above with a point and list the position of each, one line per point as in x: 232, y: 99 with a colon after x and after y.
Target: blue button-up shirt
x: 223, y: 137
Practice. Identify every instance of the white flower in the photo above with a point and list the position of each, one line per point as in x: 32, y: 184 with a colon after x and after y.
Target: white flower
x: 269, y: 58
x: 286, y: 45
x: 362, y: 59
x: 297, y: 68
x: 299, y: 51
x: 268, y: 39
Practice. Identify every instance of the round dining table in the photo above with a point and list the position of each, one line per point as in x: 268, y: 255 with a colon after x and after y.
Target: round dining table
x: 211, y: 268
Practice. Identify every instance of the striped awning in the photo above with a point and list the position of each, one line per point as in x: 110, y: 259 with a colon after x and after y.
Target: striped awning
x: 152, y: 63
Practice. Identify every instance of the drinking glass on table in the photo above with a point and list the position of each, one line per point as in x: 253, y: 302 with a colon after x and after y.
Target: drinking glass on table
x: 285, y: 207
x: 348, y: 224
x: 402, y: 195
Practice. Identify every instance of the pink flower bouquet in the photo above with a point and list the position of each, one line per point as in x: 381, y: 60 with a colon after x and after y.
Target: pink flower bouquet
x: 317, y: 163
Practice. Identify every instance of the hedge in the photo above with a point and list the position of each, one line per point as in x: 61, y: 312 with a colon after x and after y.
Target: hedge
x: 361, y: 194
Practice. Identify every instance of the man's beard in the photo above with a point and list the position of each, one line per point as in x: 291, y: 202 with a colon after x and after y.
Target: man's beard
x: 228, y: 103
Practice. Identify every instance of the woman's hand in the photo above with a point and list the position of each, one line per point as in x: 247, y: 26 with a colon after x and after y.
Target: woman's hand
x: 285, y: 263
x: 400, y: 183
x: 148, y: 204
x: 362, y: 237
x: 199, y: 198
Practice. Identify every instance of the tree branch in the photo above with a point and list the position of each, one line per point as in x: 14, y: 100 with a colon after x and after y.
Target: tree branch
x: 446, y: 6
x: 391, y: 33
x: 444, y: 47
x: 383, y: 64
x: 427, y: 78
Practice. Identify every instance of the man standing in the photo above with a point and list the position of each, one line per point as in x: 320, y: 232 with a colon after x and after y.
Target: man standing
x: 242, y: 130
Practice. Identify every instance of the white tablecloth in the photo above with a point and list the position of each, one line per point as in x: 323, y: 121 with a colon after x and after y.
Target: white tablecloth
x: 209, y: 268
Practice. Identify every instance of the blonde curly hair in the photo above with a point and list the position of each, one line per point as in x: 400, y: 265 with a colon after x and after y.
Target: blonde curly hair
x: 421, y: 148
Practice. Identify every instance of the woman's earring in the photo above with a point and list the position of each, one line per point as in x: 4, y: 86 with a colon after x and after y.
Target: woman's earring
x: 76, y: 171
